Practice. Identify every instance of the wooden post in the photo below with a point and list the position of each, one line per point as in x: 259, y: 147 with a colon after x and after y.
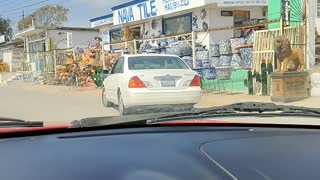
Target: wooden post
x: 281, y: 26
x: 74, y: 54
x: 135, y: 46
x: 55, y: 62
x: 102, y: 55
x: 194, y: 49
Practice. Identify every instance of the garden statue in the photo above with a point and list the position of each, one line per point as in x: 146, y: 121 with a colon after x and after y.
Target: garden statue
x: 288, y: 59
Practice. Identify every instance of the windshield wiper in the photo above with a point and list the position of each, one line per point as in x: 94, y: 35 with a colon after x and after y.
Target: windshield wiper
x: 243, y: 109
x: 10, y: 122
x: 233, y: 110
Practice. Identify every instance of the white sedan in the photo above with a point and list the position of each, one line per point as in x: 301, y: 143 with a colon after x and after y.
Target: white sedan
x: 150, y: 81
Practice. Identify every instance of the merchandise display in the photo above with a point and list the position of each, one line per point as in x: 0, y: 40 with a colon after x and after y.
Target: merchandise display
x: 236, y: 42
x: 214, y: 61
x: 202, y: 55
x: 214, y: 50
x: 209, y: 73
x: 224, y: 73
x: 225, y: 61
x: 225, y: 47
x: 246, y: 56
x: 236, y: 61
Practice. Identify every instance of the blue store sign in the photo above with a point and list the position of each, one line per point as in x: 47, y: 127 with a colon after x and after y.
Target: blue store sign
x: 133, y: 11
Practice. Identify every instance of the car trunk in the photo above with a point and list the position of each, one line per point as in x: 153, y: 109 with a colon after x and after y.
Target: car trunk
x: 165, y: 79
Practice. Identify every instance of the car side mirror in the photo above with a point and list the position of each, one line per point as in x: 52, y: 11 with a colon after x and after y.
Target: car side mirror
x: 105, y: 71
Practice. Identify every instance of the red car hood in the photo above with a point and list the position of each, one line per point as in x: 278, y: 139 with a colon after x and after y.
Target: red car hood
x: 28, y: 129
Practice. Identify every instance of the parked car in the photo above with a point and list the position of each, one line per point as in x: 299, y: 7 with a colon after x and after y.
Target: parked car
x: 104, y: 74
x: 150, y: 81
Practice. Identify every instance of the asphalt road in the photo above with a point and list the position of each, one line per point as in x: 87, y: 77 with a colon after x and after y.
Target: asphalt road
x: 50, y: 107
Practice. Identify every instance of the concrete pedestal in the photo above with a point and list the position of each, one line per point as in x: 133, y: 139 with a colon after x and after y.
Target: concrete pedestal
x: 289, y: 86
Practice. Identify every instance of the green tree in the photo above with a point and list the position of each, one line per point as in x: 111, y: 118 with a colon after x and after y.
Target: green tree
x: 5, y: 28
x: 45, y: 16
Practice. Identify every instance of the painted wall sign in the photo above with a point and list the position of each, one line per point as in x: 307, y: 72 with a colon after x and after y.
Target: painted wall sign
x: 152, y: 8
x: 243, y: 2
x: 170, y: 5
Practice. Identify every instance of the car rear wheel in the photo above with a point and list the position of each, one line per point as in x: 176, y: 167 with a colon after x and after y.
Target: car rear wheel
x: 105, y: 102
x: 122, y: 109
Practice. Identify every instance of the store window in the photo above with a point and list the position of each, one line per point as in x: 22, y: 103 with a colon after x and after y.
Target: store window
x: 116, y: 36
x: 177, y: 24
x: 240, y: 19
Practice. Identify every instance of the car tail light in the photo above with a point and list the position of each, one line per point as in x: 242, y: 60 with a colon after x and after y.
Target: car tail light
x: 135, y: 82
x: 195, y: 81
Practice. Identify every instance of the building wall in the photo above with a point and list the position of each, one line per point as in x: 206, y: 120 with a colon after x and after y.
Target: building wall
x: 317, y: 20
x: 218, y: 21
x: 13, y: 57
x: 78, y: 38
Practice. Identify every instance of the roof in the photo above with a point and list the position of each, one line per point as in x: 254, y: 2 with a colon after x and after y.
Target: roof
x: 38, y: 29
x: 17, y: 41
x: 101, y: 17
x: 130, y: 3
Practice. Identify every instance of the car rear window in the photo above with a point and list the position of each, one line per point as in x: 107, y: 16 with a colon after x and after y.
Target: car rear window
x: 156, y: 62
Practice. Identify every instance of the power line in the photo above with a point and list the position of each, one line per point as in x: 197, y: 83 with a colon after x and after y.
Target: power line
x: 9, y: 2
x: 30, y: 10
x: 26, y: 6
x: 17, y: 4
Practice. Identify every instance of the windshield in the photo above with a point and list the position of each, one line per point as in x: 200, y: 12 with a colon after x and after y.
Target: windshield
x: 62, y: 61
x: 156, y: 62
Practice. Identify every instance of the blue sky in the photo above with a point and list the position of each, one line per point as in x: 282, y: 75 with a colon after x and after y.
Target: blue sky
x: 80, y: 10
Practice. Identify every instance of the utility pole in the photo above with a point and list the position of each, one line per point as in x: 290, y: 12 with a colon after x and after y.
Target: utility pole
x: 23, y: 18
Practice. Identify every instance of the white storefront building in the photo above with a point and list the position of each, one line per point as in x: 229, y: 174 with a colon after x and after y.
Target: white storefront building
x: 153, y: 18
x: 46, y: 39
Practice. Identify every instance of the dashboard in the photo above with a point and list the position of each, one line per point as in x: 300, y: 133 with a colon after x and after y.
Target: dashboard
x: 171, y: 153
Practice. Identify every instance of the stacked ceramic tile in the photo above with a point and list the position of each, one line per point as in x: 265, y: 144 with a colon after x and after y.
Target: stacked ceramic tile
x: 214, y: 54
x: 198, y: 71
x: 202, y: 59
x: 188, y: 60
x: 225, y: 53
x: 214, y: 50
x: 246, y: 56
x: 225, y: 47
x: 225, y: 60
x: 224, y: 73
x: 185, y: 48
x: 214, y: 61
x: 209, y: 73
x: 250, y: 38
x: 236, y: 42
x: 236, y: 61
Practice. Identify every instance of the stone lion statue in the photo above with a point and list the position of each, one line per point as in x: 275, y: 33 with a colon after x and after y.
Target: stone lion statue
x: 288, y: 59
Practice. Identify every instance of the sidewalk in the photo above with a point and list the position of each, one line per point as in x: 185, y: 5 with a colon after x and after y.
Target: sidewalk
x: 210, y: 100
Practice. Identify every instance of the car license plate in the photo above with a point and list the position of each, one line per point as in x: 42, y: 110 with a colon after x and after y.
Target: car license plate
x: 168, y: 83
